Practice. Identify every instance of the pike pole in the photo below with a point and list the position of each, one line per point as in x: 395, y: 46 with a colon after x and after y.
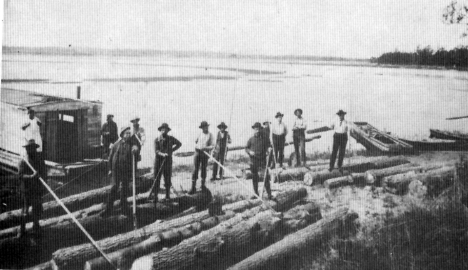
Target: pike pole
x: 135, y: 221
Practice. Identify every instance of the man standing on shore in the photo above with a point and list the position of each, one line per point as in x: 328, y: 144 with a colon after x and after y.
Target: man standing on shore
x: 164, y: 146
x: 204, y: 143
x: 31, y: 187
x: 222, y: 140
x: 279, y: 132
x: 299, y: 128
x: 120, y: 170
x: 340, y: 139
x: 109, y: 134
x: 258, y: 147
x: 32, y: 130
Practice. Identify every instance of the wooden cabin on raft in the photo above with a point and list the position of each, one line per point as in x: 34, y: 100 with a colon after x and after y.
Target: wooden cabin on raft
x: 70, y: 130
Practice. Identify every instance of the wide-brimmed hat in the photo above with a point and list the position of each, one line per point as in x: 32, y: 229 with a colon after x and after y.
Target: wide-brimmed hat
x: 164, y: 125
x: 123, y: 129
x: 341, y: 112
x: 266, y: 122
x: 222, y: 125
x: 278, y: 114
x: 31, y: 143
x: 135, y: 119
x: 109, y: 116
x: 257, y: 125
x: 297, y: 110
x: 204, y: 124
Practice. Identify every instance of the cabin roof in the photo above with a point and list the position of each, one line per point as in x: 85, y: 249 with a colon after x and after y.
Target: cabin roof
x: 28, y: 99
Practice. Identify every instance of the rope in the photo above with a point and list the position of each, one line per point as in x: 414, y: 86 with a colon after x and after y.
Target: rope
x: 72, y: 217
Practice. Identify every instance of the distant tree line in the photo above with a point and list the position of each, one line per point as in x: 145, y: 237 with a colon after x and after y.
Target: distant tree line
x: 455, y: 58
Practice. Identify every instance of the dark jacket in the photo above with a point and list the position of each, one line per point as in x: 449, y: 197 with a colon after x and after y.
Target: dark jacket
x: 259, y: 144
x: 32, y: 185
x: 221, y: 142
x: 120, y: 157
x: 166, y: 145
x: 112, y: 137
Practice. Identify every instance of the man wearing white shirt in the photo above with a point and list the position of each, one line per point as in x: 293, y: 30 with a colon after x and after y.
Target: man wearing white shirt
x: 299, y: 128
x: 32, y: 129
x: 205, y: 142
x: 340, y: 138
x: 279, y: 131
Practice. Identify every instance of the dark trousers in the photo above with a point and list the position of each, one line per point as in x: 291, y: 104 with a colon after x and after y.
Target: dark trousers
x: 220, y: 159
x: 200, y: 160
x: 339, y: 143
x: 119, y: 179
x: 278, y: 144
x: 299, y: 146
x: 255, y: 165
x: 31, y: 197
x: 163, y: 166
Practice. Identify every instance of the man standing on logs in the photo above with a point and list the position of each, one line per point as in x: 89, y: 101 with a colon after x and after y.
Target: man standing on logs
x: 258, y: 148
x: 299, y: 128
x: 31, y: 186
x: 120, y: 171
x: 340, y: 138
x: 109, y: 134
x: 204, y: 143
x: 279, y: 132
x: 219, y: 153
x: 164, y: 146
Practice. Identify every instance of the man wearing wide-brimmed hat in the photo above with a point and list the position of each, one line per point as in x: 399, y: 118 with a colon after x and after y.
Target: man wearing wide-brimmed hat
x: 222, y: 140
x: 340, y: 138
x: 120, y: 170
x: 278, y: 132
x: 31, y: 187
x: 205, y: 142
x: 109, y: 133
x: 258, y: 147
x: 164, y: 146
x: 299, y: 128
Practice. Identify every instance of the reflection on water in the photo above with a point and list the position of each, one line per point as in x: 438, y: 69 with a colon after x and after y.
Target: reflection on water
x: 183, y: 92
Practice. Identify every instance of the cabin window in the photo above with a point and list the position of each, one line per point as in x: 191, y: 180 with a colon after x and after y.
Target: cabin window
x: 66, y: 117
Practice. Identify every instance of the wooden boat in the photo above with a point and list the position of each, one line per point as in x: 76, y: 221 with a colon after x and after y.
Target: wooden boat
x: 447, y: 135
x: 70, y: 131
x: 378, y: 142
x: 438, y: 145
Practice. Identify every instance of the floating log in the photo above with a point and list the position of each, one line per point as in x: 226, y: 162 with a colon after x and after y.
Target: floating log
x: 282, y: 254
x: 73, y: 203
x: 227, y: 243
x: 343, y: 180
x: 398, y: 184
x: 75, y: 257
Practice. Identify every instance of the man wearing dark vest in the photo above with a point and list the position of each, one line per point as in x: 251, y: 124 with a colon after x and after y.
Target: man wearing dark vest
x: 164, y: 146
x: 222, y: 140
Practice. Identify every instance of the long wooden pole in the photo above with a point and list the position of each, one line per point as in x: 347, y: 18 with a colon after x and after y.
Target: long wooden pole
x: 455, y: 118
x: 135, y: 221
x: 71, y: 216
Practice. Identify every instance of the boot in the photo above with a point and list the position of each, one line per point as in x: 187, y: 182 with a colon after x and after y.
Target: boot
x: 194, y: 189
x: 168, y: 193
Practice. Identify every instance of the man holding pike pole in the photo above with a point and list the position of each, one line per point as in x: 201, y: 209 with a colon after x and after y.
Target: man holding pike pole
x: 258, y: 148
x: 164, y: 146
x: 204, y: 142
x: 219, y: 153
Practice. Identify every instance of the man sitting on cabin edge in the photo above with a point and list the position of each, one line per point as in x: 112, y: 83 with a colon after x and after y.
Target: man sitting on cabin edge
x: 31, y: 187
x: 340, y: 138
x: 258, y: 147
x: 164, y: 146
x: 32, y: 130
x: 120, y: 171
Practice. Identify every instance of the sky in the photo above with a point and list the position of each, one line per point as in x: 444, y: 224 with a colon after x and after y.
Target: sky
x: 340, y: 28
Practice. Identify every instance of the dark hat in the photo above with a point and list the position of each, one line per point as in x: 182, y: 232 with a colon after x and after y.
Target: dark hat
x: 341, y: 112
x: 31, y: 143
x: 123, y: 129
x: 257, y: 125
x: 266, y: 122
x: 298, y: 110
x: 109, y: 116
x: 278, y: 114
x: 135, y: 119
x: 203, y: 124
x: 164, y: 125
x: 31, y: 111
x: 222, y: 125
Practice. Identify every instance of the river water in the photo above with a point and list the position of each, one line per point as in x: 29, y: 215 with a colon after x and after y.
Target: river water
x: 185, y: 91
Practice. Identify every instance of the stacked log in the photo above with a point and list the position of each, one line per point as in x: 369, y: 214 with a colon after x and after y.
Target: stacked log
x: 75, y: 257
x: 398, y: 184
x: 225, y: 244
x: 293, y: 247
x: 344, y: 180
x: 374, y: 177
x: 73, y: 203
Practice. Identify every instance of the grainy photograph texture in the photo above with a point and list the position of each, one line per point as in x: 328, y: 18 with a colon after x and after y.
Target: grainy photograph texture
x: 233, y: 134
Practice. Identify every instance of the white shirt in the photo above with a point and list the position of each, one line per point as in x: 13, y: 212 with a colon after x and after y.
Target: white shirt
x: 205, y: 141
x: 33, y: 131
x: 140, y: 133
x: 279, y: 128
x: 300, y: 124
x: 340, y: 127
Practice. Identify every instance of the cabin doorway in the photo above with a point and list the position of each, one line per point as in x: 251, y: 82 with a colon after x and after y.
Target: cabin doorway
x: 69, y: 136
